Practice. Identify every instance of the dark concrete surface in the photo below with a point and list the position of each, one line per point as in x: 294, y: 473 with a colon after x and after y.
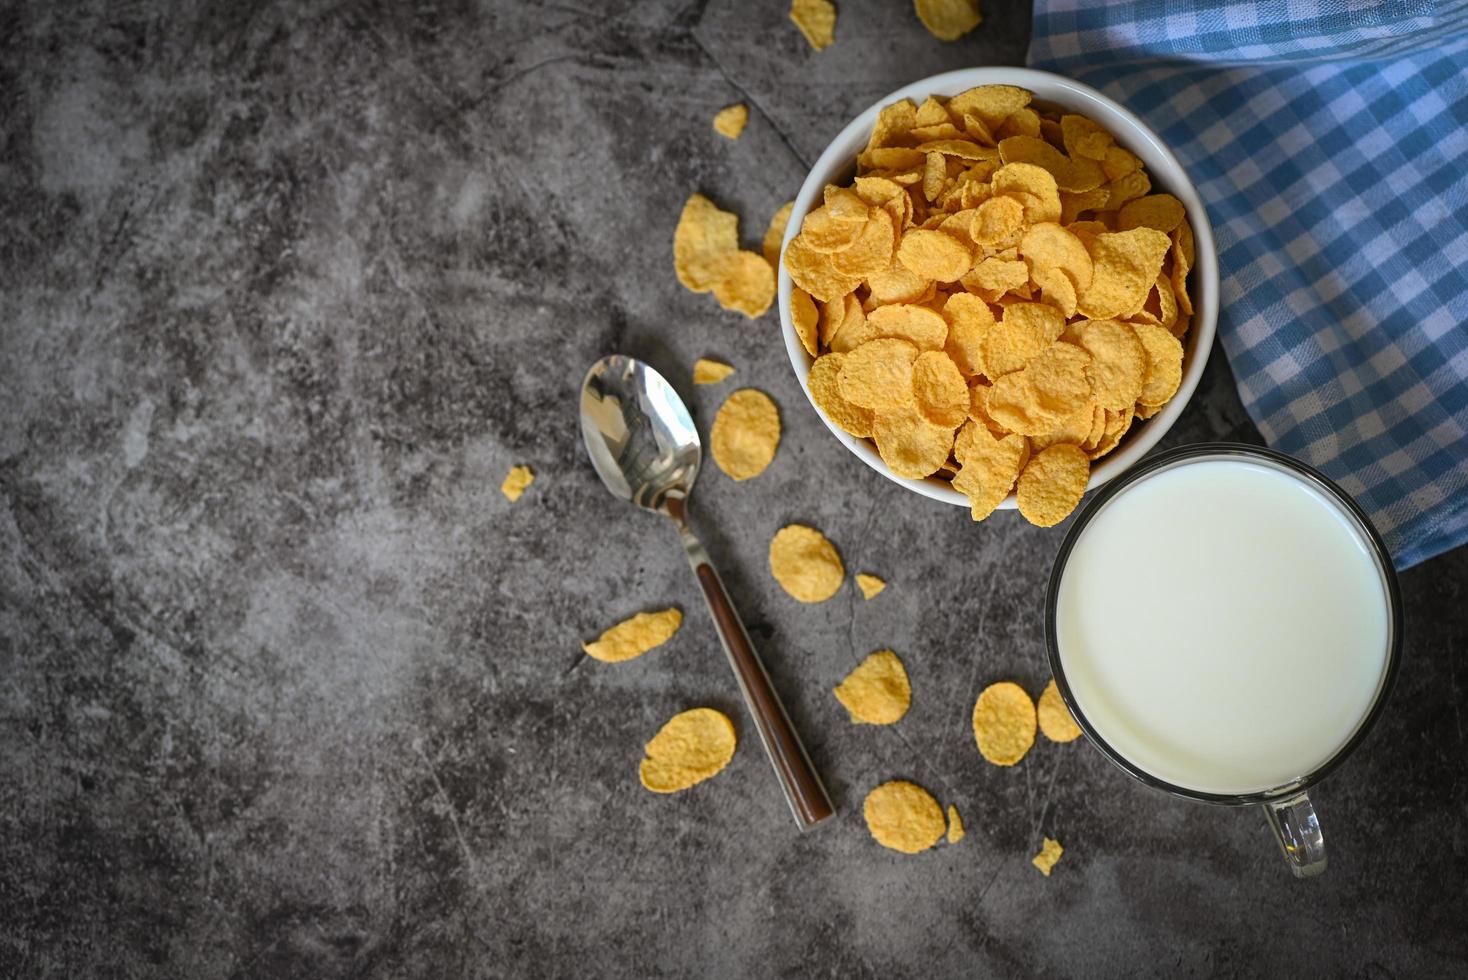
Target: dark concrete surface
x: 288, y: 690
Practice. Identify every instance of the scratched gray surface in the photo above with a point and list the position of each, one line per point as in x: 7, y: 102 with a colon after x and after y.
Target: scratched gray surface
x: 288, y: 690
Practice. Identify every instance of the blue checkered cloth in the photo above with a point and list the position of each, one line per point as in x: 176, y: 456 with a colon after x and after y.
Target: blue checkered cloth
x: 1329, y: 140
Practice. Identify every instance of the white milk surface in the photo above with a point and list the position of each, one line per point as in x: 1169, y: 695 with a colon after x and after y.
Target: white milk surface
x: 1223, y: 626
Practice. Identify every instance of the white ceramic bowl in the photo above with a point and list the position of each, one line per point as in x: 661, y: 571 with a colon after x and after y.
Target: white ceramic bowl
x: 838, y: 163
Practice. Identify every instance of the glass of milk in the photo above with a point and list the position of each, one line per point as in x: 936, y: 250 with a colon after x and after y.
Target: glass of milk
x: 1224, y: 623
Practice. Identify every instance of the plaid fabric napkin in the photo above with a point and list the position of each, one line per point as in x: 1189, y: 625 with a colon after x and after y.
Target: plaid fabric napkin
x: 1329, y: 140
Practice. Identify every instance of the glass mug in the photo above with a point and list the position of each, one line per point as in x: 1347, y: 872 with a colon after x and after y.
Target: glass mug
x: 1224, y: 624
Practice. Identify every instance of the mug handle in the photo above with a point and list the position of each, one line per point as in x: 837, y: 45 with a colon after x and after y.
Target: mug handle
x: 1297, y: 829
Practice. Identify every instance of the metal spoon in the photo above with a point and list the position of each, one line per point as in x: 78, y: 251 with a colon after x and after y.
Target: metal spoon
x: 645, y: 449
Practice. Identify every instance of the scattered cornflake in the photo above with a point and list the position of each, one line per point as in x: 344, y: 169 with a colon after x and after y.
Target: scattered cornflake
x: 775, y: 233
x: 1049, y: 854
x: 805, y: 563
x: 517, y: 481
x: 1055, y: 719
x: 710, y: 372
x: 1004, y: 723
x: 948, y: 20
x: 955, y: 825
x: 877, y: 692
x: 634, y: 637
x: 746, y: 434
x: 870, y: 585
x: 707, y: 258
x: 729, y: 121
x: 693, y: 746
x: 903, y: 816
x: 816, y: 20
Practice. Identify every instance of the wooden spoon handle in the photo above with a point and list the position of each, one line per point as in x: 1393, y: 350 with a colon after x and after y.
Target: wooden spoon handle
x: 803, y: 788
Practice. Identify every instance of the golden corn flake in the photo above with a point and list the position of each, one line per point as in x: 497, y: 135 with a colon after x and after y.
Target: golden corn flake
x: 634, y: 637
x: 997, y: 222
x: 1049, y: 854
x: 729, y: 122
x: 775, y: 233
x: 747, y: 284
x: 746, y: 434
x: 1025, y: 330
x: 1047, y: 246
x: 517, y: 481
x: 813, y: 272
x: 1072, y: 175
x: 1052, y: 386
x: 1118, y: 361
x: 707, y: 258
x: 837, y: 223
x: 878, y: 374
x: 1052, y: 484
x: 1116, y: 426
x: 991, y: 103
x: 709, y: 372
x: 1084, y: 138
x: 955, y: 825
x: 1127, y: 187
x: 1160, y: 211
x: 988, y: 464
x: 910, y: 445
x: 993, y: 277
x: 896, y: 284
x: 816, y: 20
x: 705, y: 236
x: 1033, y: 186
x: 872, y: 250
x: 948, y: 20
x: 806, y: 320
x: 920, y: 326
x: 1054, y: 716
x: 1125, y: 266
x: 877, y: 691
x: 1164, y: 363
x: 825, y: 391
x: 934, y: 255
x: 693, y: 746
x: 1074, y: 429
x: 938, y: 390
x: 1182, y: 261
x: 903, y: 816
x: 1004, y: 723
x: 805, y: 564
x: 969, y: 319
x: 870, y: 585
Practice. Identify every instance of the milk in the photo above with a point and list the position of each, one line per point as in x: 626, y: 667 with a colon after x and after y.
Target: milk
x: 1223, y: 625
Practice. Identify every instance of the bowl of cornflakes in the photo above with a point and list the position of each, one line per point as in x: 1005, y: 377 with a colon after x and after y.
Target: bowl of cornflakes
x: 999, y: 289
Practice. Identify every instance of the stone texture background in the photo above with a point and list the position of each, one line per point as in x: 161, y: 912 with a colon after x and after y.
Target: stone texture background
x: 288, y: 690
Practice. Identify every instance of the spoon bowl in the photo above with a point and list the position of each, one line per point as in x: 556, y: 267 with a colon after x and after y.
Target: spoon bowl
x: 638, y: 433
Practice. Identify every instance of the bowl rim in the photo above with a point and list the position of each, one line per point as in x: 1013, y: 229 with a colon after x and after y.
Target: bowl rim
x: 1139, y: 137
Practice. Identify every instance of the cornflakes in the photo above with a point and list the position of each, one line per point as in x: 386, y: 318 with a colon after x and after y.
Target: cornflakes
x: 710, y: 372
x: 693, y: 746
x: 517, y: 481
x: 870, y: 585
x: 877, y: 691
x: 1054, y: 716
x: 729, y: 122
x: 634, y: 637
x: 1004, y: 723
x: 903, y: 816
x: 990, y: 244
x: 746, y: 434
x: 805, y: 564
